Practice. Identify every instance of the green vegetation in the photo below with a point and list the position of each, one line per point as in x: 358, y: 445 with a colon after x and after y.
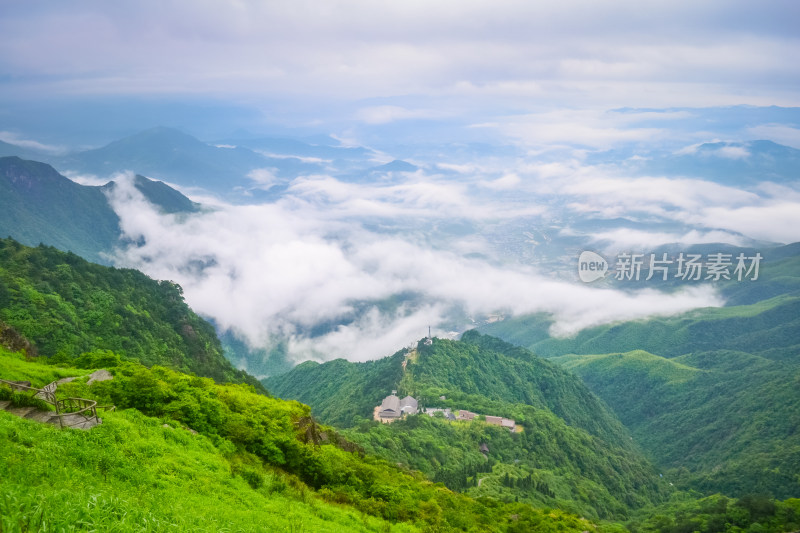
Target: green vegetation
x: 714, y: 404
x: 65, y: 306
x: 37, y: 204
x: 720, y: 421
x: 718, y: 514
x: 255, y: 463
x: 484, y: 366
x: 766, y: 328
x: 712, y: 395
x: 161, y: 195
x: 548, y: 464
x: 340, y: 392
x: 572, y: 452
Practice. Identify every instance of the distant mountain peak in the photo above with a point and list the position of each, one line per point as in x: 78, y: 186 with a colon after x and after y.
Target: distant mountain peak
x: 161, y: 134
x: 397, y: 165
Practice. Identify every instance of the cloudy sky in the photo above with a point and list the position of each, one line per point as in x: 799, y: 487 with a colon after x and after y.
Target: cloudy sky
x: 557, y: 82
x: 338, y: 65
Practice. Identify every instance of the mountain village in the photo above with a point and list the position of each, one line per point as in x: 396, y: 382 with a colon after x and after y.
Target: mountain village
x: 394, y: 408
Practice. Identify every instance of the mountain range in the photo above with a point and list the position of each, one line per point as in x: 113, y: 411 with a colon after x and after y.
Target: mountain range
x: 235, y: 169
x: 39, y: 205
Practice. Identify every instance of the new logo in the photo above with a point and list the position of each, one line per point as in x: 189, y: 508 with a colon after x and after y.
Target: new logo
x: 591, y: 266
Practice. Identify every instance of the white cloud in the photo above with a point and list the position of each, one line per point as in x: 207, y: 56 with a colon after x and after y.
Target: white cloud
x: 771, y: 220
x: 18, y: 140
x: 419, y: 196
x: 728, y: 151
x: 720, y: 213
x: 264, y: 178
x: 462, y: 168
x: 596, y: 129
x: 626, y: 239
x: 508, y: 182
x: 85, y: 179
x: 655, y: 195
x: 285, y: 268
x: 733, y: 152
x: 304, y: 159
x: 390, y: 113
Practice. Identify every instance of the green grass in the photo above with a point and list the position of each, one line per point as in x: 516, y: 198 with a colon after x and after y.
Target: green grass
x: 255, y: 463
x: 139, y: 473
x: 15, y: 367
x: 132, y: 474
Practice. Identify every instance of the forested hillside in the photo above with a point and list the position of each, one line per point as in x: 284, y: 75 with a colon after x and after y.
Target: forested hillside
x: 571, y: 452
x: 66, y: 306
x: 721, y: 421
x: 477, y: 366
x: 340, y: 392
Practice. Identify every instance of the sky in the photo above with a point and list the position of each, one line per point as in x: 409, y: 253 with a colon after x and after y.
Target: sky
x: 559, y: 83
x: 350, y: 67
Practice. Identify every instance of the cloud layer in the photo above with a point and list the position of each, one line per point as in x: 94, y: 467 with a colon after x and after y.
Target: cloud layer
x: 313, y: 273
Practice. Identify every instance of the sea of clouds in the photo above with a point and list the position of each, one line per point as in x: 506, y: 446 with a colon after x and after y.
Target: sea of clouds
x: 318, y: 266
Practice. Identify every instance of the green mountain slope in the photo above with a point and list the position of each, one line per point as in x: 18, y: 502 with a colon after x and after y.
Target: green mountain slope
x: 184, y: 454
x: 723, y: 421
x: 768, y: 328
x: 340, y: 392
x: 572, y: 452
x: 161, y: 195
x: 477, y: 365
x: 66, y: 306
x: 712, y: 394
x: 39, y: 205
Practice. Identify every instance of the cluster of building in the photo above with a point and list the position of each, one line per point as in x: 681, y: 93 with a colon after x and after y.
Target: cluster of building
x: 392, y: 407
x: 508, y: 423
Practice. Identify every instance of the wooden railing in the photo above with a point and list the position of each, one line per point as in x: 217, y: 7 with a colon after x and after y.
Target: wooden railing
x: 80, y: 410
x: 16, y: 385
